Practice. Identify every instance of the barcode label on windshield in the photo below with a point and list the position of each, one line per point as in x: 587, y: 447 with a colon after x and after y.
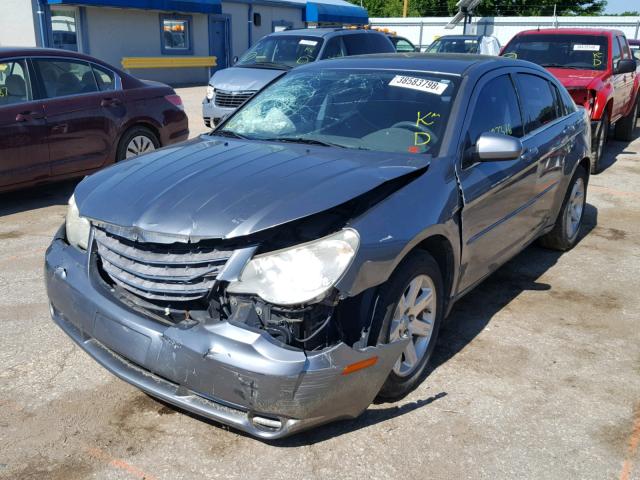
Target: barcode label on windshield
x: 311, y: 43
x: 421, y: 84
x: 586, y: 48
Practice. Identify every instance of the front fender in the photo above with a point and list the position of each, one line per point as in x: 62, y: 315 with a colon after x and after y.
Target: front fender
x: 425, y: 208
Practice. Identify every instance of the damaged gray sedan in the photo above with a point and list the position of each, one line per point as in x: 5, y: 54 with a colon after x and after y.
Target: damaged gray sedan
x: 286, y: 269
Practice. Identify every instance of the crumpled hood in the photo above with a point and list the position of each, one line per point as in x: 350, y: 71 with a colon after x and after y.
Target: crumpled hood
x: 216, y: 188
x: 578, y: 78
x: 239, y: 79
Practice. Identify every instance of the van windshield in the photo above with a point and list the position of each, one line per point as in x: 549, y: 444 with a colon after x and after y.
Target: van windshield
x: 281, y: 51
x: 454, y: 45
x: 389, y: 111
x: 584, y: 52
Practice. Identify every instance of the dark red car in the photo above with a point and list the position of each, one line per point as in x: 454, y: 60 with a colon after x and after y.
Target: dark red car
x: 64, y: 114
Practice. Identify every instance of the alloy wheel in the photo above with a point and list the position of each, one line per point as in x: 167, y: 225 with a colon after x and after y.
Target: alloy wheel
x: 414, y: 317
x: 575, y: 207
x: 139, y: 145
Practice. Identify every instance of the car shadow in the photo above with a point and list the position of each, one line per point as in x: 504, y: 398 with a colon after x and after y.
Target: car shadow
x: 467, y: 319
x: 474, y: 311
x: 616, y: 147
x: 36, y: 197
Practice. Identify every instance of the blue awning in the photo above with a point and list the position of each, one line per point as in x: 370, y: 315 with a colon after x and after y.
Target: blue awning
x: 193, y: 6
x: 329, y: 13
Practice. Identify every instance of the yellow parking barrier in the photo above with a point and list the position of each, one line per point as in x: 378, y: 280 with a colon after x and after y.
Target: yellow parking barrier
x: 168, y: 62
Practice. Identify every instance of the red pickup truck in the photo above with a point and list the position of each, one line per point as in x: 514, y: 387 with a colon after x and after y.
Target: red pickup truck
x: 597, y: 68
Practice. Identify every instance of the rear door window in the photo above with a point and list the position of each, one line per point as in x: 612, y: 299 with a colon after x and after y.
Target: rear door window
x: 496, y: 110
x: 538, y: 102
x: 363, y: 43
x: 62, y: 77
x: 14, y: 82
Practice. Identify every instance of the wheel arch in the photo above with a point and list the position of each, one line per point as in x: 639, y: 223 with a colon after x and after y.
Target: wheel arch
x: 441, y: 249
x: 135, y: 124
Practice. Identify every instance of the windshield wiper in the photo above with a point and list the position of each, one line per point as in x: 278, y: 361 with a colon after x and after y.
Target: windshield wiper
x: 557, y: 65
x: 308, y: 141
x: 228, y: 134
x: 272, y: 65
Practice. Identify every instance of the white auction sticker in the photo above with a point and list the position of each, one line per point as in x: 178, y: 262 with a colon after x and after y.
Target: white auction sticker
x: 586, y: 48
x: 422, y: 84
x: 311, y: 43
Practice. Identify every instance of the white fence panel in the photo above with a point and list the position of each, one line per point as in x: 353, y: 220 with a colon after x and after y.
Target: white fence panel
x: 424, y: 30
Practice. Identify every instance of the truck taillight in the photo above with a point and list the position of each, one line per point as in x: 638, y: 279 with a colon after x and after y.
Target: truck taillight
x: 175, y: 100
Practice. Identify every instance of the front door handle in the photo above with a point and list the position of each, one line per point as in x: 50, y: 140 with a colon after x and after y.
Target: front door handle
x: 530, y: 154
x: 26, y: 116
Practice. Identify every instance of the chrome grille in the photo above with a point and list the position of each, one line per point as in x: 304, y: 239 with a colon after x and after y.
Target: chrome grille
x: 232, y: 99
x: 173, y: 272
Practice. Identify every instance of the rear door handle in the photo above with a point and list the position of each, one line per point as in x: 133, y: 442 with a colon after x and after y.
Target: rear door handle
x: 26, y: 116
x: 109, y: 102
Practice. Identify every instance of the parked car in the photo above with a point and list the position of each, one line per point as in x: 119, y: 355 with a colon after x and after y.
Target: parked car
x: 64, y: 114
x: 597, y: 68
x: 277, y: 53
x: 298, y: 261
x: 482, y: 44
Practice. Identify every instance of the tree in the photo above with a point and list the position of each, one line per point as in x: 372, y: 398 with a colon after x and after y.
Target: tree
x: 488, y: 8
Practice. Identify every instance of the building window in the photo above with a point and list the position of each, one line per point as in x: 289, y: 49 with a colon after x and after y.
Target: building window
x: 64, y: 31
x: 175, y: 34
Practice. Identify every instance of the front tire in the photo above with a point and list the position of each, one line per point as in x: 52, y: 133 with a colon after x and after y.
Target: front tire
x: 566, y: 231
x: 599, y: 143
x: 410, y: 304
x: 626, y: 125
x: 136, y: 141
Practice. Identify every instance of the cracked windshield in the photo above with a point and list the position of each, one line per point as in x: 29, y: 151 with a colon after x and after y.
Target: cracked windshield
x: 368, y: 110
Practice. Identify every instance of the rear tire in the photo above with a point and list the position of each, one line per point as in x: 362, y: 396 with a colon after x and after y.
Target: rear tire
x: 599, y: 142
x: 136, y: 141
x: 566, y: 231
x: 410, y: 304
x: 626, y: 125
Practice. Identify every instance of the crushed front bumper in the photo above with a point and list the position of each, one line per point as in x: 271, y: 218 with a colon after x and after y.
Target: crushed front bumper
x: 225, y: 372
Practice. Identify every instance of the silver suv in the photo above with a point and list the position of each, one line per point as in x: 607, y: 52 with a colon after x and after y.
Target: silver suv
x: 277, y: 53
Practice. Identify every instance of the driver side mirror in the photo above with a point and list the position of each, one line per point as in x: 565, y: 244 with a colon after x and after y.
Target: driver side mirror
x: 495, y: 147
x: 626, y: 65
x: 235, y: 60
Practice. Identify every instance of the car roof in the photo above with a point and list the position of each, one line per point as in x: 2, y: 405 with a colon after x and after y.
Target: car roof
x: 452, y: 64
x: 323, y: 32
x: 37, y: 51
x: 572, y: 31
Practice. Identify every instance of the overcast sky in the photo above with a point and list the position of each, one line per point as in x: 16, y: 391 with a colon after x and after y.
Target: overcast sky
x: 619, y: 6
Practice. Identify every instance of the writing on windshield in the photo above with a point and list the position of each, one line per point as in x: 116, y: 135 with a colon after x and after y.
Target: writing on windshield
x: 357, y: 109
x: 585, y: 52
x: 281, y: 50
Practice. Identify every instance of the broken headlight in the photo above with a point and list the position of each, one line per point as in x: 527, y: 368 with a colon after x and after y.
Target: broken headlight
x: 301, y: 274
x: 77, y: 227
